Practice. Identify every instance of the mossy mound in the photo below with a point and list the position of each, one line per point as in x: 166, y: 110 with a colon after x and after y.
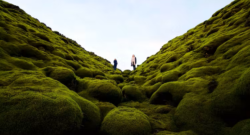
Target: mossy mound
x: 166, y: 67
x: 84, y: 72
x: 105, y: 108
x: 97, y: 72
x: 176, y: 133
x: 126, y: 73
x: 140, y: 79
x: 104, y: 90
x: 158, y: 121
x: 135, y: 121
x: 36, y: 104
x: 170, y: 93
x: 117, y: 78
x: 131, y: 92
x: 170, y: 76
x: 241, y: 128
x: 64, y: 75
x: 149, y: 90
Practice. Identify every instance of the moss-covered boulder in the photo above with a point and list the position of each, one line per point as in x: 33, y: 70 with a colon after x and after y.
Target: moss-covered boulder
x: 97, y: 72
x: 84, y: 72
x: 105, y: 107
x: 36, y: 104
x: 100, y: 77
x: 126, y: 73
x: 176, y: 133
x: 170, y: 93
x: 64, y: 75
x: 170, y: 76
x: 117, y: 78
x: 241, y: 128
x: 104, y: 90
x: 23, y: 64
x: 126, y: 121
x: 166, y: 67
x: 163, y: 109
x: 149, y: 90
x: 131, y: 92
x: 140, y: 79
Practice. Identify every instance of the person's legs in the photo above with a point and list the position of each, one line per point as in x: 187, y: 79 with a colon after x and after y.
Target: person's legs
x: 115, y: 67
x: 134, y: 67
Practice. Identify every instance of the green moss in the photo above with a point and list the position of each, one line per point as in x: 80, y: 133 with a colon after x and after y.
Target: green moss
x: 105, y: 108
x: 126, y: 73
x: 140, y: 79
x: 97, y: 72
x: 73, y: 64
x: 151, y: 89
x: 241, y: 128
x: 117, y: 78
x: 158, y: 121
x: 242, y: 87
x: 32, y: 52
x: 84, y: 72
x: 201, y: 72
x: 23, y: 27
x: 171, y: 93
x: 42, y: 36
x: 170, y: 76
x: 195, y: 113
x: 176, y: 133
x: 104, y: 90
x: 132, y: 93
x: 9, y: 48
x: 163, y: 109
x: 64, y: 75
x: 5, y: 66
x: 135, y: 121
x: 100, y: 77
x: 166, y: 67
x: 121, y: 85
x: 39, y: 104
x: 23, y: 64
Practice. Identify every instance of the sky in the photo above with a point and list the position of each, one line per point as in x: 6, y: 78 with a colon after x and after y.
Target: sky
x: 120, y: 28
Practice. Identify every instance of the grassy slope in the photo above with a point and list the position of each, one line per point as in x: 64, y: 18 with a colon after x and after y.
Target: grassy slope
x: 204, y: 73
x: 26, y: 40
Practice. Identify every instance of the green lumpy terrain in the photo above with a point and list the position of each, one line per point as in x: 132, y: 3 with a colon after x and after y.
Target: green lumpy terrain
x: 197, y: 84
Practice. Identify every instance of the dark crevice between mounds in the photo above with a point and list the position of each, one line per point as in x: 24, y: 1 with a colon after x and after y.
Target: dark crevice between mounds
x: 247, y: 24
x: 212, y: 85
x: 232, y: 119
x: 39, y: 45
x: 213, y: 31
x: 211, y: 48
x: 171, y: 59
x: 165, y: 99
x: 189, y: 48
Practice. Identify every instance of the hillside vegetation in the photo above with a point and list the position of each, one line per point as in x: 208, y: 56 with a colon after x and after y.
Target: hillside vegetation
x: 197, y: 84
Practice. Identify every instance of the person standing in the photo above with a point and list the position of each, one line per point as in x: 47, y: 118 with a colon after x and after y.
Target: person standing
x: 115, y: 64
x: 133, y: 62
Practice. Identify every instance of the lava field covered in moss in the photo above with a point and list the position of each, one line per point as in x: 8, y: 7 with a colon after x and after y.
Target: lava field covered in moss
x: 197, y: 84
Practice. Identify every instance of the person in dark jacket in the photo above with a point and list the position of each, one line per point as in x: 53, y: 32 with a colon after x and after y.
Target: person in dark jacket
x: 115, y: 64
x: 133, y: 62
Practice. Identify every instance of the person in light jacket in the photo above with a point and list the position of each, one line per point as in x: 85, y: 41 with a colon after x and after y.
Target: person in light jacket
x: 133, y: 62
x: 115, y: 64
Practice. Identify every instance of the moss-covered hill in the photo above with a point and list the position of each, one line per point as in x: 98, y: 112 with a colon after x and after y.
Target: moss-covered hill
x: 197, y: 84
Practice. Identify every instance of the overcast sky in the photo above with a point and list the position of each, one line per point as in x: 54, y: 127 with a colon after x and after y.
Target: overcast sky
x: 120, y: 28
